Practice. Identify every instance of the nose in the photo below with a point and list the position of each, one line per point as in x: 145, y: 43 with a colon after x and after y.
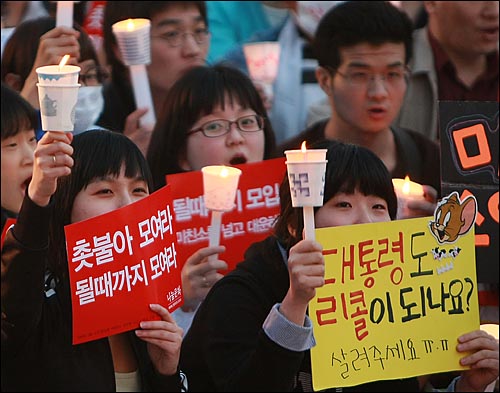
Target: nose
x: 189, y: 45
x: 363, y: 216
x: 28, y: 153
x: 125, y: 199
x: 377, y: 87
x: 234, y: 136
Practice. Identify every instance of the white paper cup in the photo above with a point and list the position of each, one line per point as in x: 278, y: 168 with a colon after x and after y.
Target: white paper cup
x: 220, y: 184
x: 57, y: 106
x: 307, y: 182
x: 133, y: 38
x: 55, y: 75
x: 262, y: 60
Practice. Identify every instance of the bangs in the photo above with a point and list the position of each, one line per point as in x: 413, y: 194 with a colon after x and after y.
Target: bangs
x: 100, y: 153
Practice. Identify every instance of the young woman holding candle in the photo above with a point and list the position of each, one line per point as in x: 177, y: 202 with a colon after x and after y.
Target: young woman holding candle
x: 75, y: 179
x: 213, y: 115
x: 252, y: 331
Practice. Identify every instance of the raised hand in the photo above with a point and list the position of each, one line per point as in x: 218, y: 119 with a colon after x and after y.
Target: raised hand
x: 52, y: 160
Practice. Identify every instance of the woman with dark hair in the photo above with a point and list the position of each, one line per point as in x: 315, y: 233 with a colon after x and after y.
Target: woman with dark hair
x: 179, y: 41
x: 213, y: 115
x: 194, y: 130
x: 252, y: 331
x: 19, y: 120
x: 73, y: 180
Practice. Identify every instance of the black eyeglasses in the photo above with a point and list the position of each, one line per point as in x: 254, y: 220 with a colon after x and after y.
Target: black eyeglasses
x: 177, y: 38
x: 220, y: 127
x: 93, y: 77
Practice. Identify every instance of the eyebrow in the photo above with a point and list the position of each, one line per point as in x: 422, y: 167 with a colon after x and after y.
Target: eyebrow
x: 176, y: 21
x: 364, y: 65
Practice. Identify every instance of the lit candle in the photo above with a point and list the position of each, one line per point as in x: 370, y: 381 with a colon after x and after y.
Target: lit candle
x: 306, y: 169
x: 61, y: 74
x: 220, y: 184
x: 406, y: 191
x: 133, y: 38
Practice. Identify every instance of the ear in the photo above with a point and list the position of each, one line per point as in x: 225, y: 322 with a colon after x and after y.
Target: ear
x: 13, y: 81
x: 323, y: 77
x: 183, y: 162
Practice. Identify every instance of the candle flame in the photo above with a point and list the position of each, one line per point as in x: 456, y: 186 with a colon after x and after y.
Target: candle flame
x: 303, y: 147
x: 406, y: 185
x: 130, y: 25
x: 63, y: 61
x: 224, y: 172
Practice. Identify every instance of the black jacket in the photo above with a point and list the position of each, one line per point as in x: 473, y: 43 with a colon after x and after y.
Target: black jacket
x: 38, y: 354
x: 226, y: 348
x: 417, y: 156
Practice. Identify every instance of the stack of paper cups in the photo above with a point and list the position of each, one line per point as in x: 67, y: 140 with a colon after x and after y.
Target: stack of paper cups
x: 58, y: 94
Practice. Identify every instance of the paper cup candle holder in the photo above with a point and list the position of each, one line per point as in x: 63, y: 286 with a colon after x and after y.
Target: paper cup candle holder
x: 406, y: 191
x: 133, y: 40
x: 220, y: 184
x: 262, y: 60
x: 57, y: 94
x: 306, y: 175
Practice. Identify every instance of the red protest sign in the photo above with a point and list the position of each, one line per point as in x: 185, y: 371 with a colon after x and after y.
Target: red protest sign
x: 121, y: 262
x: 256, y: 207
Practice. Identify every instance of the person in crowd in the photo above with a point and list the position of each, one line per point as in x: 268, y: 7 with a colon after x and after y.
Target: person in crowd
x: 16, y: 12
x: 75, y: 179
x: 252, y: 331
x: 295, y: 88
x: 39, y: 42
x: 19, y: 120
x: 179, y: 41
x: 363, y: 70
x: 213, y: 115
x: 455, y: 58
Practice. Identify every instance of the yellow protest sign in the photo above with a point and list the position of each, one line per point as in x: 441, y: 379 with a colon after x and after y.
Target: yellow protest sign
x: 394, y: 302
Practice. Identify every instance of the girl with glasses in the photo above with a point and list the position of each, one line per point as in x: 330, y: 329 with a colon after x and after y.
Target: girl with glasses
x: 213, y: 115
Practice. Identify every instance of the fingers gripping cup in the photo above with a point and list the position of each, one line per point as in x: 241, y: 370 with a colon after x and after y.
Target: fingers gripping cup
x: 58, y: 94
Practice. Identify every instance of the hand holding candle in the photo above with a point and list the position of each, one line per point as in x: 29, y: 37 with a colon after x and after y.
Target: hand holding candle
x: 306, y: 175
x: 406, y: 191
x: 219, y: 189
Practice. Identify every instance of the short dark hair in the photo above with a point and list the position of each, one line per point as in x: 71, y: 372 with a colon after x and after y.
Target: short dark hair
x: 17, y: 113
x: 194, y: 95
x: 354, y: 22
x: 349, y: 167
x: 96, y: 153
x: 20, y: 51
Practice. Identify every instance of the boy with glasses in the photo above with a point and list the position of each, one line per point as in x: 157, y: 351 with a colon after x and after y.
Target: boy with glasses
x: 363, y: 49
x: 179, y: 41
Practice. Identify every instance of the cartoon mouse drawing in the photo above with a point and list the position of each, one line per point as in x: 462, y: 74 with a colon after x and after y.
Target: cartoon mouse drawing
x: 453, y: 218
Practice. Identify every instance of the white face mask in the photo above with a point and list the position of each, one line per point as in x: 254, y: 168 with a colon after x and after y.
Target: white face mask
x: 309, y: 14
x: 88, y: 107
